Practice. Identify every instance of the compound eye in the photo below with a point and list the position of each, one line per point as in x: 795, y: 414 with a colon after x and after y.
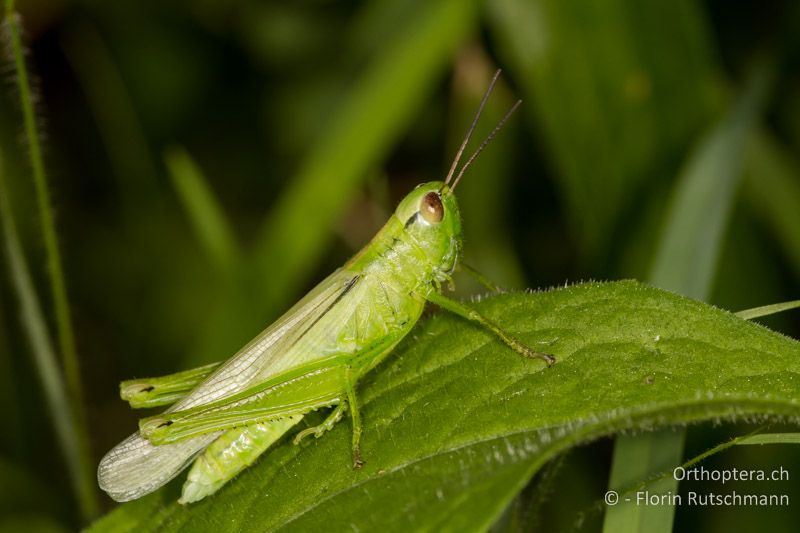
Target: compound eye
x: 431, y: 208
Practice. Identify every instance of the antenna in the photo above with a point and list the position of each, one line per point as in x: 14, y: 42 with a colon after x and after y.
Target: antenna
x: 471, y: 128
x: 484, y: 143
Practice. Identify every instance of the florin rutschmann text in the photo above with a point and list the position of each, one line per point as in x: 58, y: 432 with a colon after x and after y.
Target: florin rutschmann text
x: 691, y: 498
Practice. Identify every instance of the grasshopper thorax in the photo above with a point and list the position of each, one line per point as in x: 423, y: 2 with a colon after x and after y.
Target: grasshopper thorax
x: 430, y: 217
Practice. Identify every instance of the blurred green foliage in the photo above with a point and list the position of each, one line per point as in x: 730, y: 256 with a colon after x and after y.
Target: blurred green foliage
x: 209, y: 161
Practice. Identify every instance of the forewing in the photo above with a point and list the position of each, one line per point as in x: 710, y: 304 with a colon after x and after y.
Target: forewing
x: 136, y: 467
x: 250, y: 362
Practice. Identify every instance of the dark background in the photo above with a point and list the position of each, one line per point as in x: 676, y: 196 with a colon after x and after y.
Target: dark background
x: 308, y: 121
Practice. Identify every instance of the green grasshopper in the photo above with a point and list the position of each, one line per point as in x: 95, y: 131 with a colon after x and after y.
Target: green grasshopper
x: 228, y: 414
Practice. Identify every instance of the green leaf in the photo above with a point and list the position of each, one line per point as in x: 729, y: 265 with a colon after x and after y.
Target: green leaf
x: 456, y: 424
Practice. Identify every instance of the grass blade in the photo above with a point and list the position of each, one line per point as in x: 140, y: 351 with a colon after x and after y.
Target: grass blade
x: 46, y: 363
x: 81, y: 456
x: 687, y: 255
x: 206, y: 215
x: 770, y: 438
x: 773, y: 188
x: 766, y: 310
x: 597, y: 79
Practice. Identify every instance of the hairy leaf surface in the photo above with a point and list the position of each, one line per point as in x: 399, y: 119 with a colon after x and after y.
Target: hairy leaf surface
x: 456, y: 423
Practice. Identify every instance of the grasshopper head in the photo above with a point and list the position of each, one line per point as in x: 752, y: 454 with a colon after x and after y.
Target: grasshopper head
x: 430, y: 215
